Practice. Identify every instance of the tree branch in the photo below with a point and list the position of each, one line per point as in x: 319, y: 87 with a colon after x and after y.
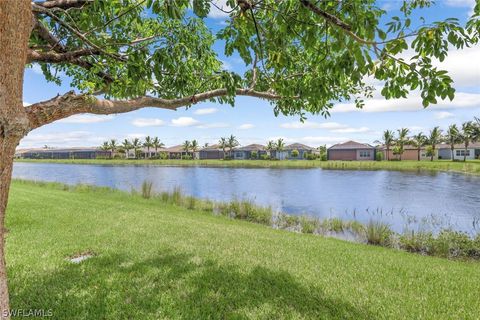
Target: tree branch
x: 62, y: 4
x: 335, y: 21
x: 69, y: 104
x: 55, y: 57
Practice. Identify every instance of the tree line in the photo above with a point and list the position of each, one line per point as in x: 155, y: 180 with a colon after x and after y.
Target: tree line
x: 466, y: 134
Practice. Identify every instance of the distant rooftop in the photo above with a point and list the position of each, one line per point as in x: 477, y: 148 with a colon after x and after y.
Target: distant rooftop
x: 350, y: 145
x: 298, y: 146
x: 253, y: 147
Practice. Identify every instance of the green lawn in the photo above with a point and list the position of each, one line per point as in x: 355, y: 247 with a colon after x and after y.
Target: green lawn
x: 469, y: 167
x: 158, y: 261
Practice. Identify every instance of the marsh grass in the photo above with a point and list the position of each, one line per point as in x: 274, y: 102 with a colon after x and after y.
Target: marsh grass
x: 147, y: 187
x: 447, y: 243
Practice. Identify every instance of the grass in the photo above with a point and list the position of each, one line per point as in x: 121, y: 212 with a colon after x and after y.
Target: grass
x: 469, y: 167
x: 157, y: 260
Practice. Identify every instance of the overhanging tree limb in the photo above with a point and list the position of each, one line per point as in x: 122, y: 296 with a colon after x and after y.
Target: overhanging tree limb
x: 62, y: 4
x: 69, y: 104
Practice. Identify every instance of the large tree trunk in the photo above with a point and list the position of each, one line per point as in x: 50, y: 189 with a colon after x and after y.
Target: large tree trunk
x: 15, y: 27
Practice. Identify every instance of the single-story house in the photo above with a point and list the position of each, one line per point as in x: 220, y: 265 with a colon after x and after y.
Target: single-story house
x: 472, y: 152
x: 70, y: 153
x: 211, y: 152
x: 409, y: 153
x: 247, y: 151
x: 350, y: 151
x: 287, y: 152
x: 145, y: 153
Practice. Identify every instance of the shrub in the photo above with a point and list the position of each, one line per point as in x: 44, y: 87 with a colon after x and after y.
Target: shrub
x: 287, y: 221
x: 454, y: 244
x: 309, y: 225
x: 323, y: 157
x: 254, y: 155
x: 147, y: 189
x: 295, y: 153
x: 187, y: 157
x: 310, y: 156
x: 378, y: 233
x: 379, y: 156
x: 264, y: 157
x: 420, y: 242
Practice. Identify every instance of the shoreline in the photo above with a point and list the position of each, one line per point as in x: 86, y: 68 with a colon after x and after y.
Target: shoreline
x: 468, y: 168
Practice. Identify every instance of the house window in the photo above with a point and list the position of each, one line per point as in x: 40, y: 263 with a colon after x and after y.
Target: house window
x: 364, y: 154
x: 461, y: 153
x: 238, y: 154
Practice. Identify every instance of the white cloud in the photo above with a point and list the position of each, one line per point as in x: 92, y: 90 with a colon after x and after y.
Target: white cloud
x: 246, y: 126
x: 312, y: 125
x: 36, y: 68
x: 213, y: 125
x: 136, y: 135
x: 412, y: 103
x: 148, y: 122
x: 415, y: 129
x: 443, y: 115
x: 86, y: 118
x: 26, y: 104
x: 330, y: 126
x: 462, y: 67
x: 184, y: 122
x: 218, y: 9
x: 312, y: 140
x: 352, y: 130
x: 205, y: 111
x: 61, y: 139
x: 226, y: 65
x: 462, y: 4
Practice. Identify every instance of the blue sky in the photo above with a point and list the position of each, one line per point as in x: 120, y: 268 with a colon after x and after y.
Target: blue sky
x: 253, y: 121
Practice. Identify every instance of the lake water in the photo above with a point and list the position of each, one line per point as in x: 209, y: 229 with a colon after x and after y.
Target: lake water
x: 403, y: 199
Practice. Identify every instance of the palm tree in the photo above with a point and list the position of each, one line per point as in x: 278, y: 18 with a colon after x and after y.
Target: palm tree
x: 232, y: 143
x: 452, y: 138
x: 418, y: 141
x: 279, y: 146
x: 136, y: 144
x: 186, y: 146
x: 105, y: 146
x: 194, y: 147
x: 387, y: 141
x: 206, y: 145
x: 126, y: 145
x: 222, y: 143
x: 402, y: 140
x: 113, y: 147
x: 468, y: 135
x: 434, y: 138
x: 157, y: 144
x: 270, y: 147
x: 148, y: 144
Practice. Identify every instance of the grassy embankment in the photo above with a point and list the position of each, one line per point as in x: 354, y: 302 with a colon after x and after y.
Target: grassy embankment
x: 469, y: 167
x: 155, y: 260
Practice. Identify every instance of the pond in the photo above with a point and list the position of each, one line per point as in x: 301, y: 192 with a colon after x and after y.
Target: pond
x: 406, y: 200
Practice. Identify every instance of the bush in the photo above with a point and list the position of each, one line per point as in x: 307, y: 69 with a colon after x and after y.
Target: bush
x: 295, y: 153
x: 378, y: 233
x: 420, y: 242
x: 187, y: 157
x: 310, y: 156
x: 309, y: 225
x: 379, y: 156
x: 264, y: 157
x: 254, y: 155
x: 455, y: 244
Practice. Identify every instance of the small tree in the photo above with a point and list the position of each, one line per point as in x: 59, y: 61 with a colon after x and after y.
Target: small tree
x: 387, y: 141
x: 105, y: 146
x: 270, y: 147
x: 157, y: 144
x: 194, y: 147
x: 295, y: 153
x: 232, y: 143
x: 186, y: 147
x: 418, y: 141
x: 222, y: 143
x: 401, y: 141
x: 126, y: 145
x: 453, y: 137
x: 467, y: 136
x: 136, y: 145
x: 434, y: 138
x: 148, y: 143
x: 279, y: 147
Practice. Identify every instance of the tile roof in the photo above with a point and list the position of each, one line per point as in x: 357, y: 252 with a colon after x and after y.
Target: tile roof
x: 350, y: 145
x: 252, y: 147
x: 298, y: 146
